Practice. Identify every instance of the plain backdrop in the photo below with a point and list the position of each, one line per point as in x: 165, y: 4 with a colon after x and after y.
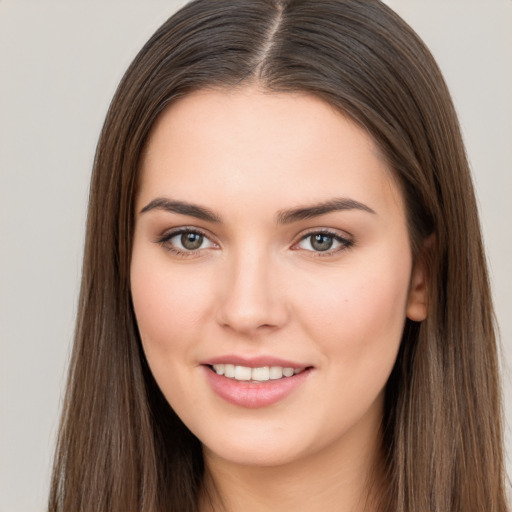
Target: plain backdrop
x: 60, y: 63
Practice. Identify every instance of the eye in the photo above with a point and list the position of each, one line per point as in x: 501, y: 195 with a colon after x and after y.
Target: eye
x: 324, y: 242
x: 185, y: 241
x: 189, y: 241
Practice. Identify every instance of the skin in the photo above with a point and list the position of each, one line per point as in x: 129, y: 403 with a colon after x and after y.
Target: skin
x: 256, y: 286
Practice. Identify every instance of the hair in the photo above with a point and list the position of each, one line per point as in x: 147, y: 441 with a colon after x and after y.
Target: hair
x: 121, y: 447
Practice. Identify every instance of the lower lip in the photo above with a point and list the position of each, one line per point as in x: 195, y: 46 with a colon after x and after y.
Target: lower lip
x: 253, y: 394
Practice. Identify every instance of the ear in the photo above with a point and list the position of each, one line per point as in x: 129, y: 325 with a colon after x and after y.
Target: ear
x: 417, y: 301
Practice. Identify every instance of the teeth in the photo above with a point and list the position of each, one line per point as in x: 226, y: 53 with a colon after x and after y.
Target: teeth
x: 229, y: 370
x: 242, y: 373
x: 276, y: 372
x: 219, y: 368
x: 262, y: 374
x: 287, y: 372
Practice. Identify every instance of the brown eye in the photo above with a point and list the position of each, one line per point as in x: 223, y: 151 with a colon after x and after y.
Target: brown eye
x: 191, y: 241
x: 322, y: 242
x: 186, y: 241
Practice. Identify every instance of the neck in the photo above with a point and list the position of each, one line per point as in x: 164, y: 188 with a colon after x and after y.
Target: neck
x: 344, y: 478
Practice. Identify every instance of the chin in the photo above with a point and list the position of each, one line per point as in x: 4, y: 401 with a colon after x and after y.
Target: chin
x: 253, y: 454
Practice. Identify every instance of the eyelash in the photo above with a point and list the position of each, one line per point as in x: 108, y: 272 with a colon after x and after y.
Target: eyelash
x: 345, y: 243
x: 164, y: 241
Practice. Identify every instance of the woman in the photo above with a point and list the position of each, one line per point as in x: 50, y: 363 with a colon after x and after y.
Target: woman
x: 284, y: 299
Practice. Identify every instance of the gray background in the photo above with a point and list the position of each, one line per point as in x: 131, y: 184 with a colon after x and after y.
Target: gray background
x: 59, y: 65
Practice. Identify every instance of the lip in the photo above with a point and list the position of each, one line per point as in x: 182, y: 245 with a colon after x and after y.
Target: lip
x: 254, y: 362
x: 251, y: 394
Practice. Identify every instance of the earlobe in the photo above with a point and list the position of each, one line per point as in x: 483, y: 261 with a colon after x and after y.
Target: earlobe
x: 417, y: 304
x: 417, y: 301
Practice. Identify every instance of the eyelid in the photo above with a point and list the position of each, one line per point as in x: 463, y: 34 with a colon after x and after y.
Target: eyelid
x: 167, y: 235
x: 346, y: 241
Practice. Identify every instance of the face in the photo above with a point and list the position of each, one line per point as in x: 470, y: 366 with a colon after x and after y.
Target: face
x: 271, y: 274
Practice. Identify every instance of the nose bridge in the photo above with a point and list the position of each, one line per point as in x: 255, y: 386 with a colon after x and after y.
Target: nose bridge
x: 251, y: 297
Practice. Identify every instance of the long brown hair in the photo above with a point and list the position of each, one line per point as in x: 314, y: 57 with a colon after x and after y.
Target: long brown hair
x: 121, y: 447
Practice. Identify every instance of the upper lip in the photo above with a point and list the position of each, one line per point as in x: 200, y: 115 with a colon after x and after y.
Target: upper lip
x: 253, y: 362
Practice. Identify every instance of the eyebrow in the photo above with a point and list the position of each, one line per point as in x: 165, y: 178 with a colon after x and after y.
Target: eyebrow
x: 315, y: 210
x: 283, y: 216
x: 181, y: 207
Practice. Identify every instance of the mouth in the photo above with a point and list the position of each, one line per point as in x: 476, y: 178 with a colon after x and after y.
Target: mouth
x: 258, y: 374
x: 255, y: 386
x: 256, y: 381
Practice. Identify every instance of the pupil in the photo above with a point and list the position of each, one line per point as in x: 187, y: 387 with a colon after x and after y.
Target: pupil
x: 321, y: 242
x: 191, y: 241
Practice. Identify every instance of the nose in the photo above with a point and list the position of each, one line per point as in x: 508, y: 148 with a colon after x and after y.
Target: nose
x: 252, y: 300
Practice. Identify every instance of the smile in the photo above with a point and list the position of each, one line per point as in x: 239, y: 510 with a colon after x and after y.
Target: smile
x: 255, y: 383
x: 260, y: 374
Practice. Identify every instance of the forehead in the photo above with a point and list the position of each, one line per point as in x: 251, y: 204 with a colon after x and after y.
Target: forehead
x: 253, y: 144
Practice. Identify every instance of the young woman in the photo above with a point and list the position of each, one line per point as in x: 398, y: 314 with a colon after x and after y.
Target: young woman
x: 284, y: 301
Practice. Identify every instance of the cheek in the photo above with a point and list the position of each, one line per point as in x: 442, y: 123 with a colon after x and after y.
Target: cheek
x: 170, y: 309
x: 357, y: 314
x: 169, y: 306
